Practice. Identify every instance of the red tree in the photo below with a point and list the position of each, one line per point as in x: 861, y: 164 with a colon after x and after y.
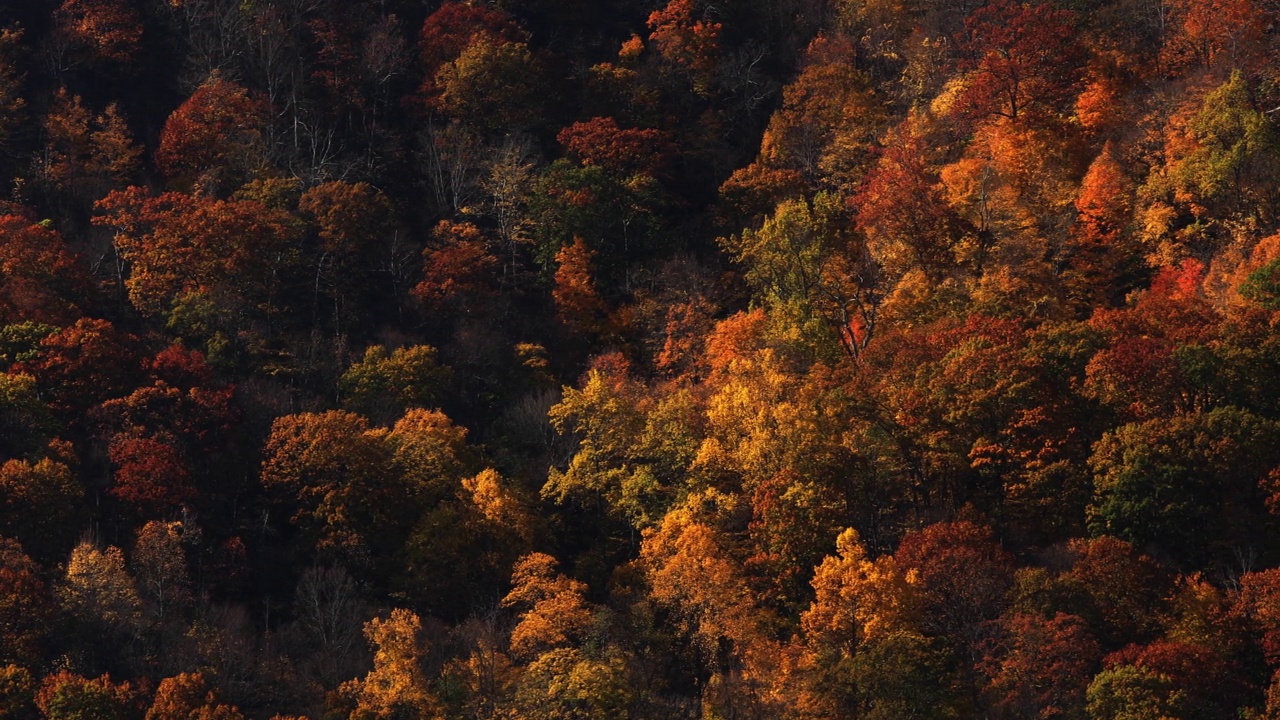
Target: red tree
x: 150, y: 474
x: 963, y: 575
x: 625, y: 151
x: 1023, y: 57
x: 217, y: 130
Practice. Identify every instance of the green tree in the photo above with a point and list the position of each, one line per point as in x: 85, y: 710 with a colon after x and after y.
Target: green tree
x: 1187, y: 485
x: 1128, y: 692
x: 383, y: 384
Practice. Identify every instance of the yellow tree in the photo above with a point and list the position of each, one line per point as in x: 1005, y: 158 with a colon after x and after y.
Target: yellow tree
x: 397, y: 687
x: 693, y: 573
x: 97, y: 590
x: 555, y: 614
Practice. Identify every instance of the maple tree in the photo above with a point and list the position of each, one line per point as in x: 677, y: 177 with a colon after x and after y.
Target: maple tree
x: 1214, y: 33
x: 902, y: 209
x: 43, y: 279
x: 963, y: 576
x: 687, y: 39
x: 1101, y: 257
x: 459, y: 274
x: 83, y: 364
x: 555, y: 612
x: 626, y: 151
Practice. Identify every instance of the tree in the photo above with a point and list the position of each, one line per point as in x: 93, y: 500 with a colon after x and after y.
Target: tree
x: 692, y: 572
x: 492, y: 86
x: 1127, y: 692
x: 809, y: 257
x: 1125, y: 591
x: 180, y: 246
x: 830, y: 118
x: 26, y: 424
x: 86, y: 156
x: 451, y: 29
x: 857, y: 601
x: 963, y: 576
x: 1100, y: 257
x: 214, y: 138
x: 66, y: 696
x: 1219, y: 168
x: 1209, y: 686
x: 160, y: 566
x: 1147, y: 369
x: 98, y: 592
x: 38, y: 503
x: 555, y: 613
x: 12, y: 105
x: 431, y: 453
x: 903, y: 212
x: 328, y: 607
x: 17, y: 693
x: 336, y: 472
x: 82, y: 365
x: 187, y: 697
x: 25, y: 608
x: 397, y: 686
x: 1023, y: 59
x: 567, y: 684
x: 458, y: 274
x: 631, y: 453
x: 1215, y: 33
x: 383, y: 385
x: 578, y: 305
x: 1040, y: 667
x: 151, y: 473
x: 624, y: 151
x: 688, y: 40
x: 350, y: 220
x: 109, y: 30
x: 1187, y: 485
x: 43, y: 280
x: 906, y: 675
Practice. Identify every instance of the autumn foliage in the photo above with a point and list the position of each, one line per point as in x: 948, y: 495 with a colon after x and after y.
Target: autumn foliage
x: 568, y: 360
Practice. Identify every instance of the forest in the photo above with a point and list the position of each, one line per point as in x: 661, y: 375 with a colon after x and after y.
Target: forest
x: 639, y: 359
